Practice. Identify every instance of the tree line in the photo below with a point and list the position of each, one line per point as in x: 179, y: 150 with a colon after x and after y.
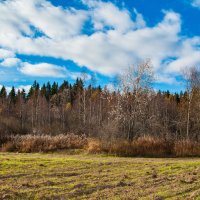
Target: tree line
x: 134, y: 109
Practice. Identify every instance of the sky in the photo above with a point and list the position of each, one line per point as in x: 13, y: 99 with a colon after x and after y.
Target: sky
x: 62, y: 39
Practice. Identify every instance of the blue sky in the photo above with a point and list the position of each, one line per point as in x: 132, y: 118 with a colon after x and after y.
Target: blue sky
x: 60, y: 39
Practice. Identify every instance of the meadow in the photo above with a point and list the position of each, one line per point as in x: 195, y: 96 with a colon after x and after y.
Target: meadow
x: 79, y: 175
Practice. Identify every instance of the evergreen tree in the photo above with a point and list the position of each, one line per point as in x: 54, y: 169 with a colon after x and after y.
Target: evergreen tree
x: 23, y: 94
x: 18, y: 92
x: 30, y: 93
x: 167, y: 94
x: 177, y: 98
x: 36, y: 86
x: 3, y: 92
x: 99, y: 88
x: 48, y: 91
x: 78, y: 86
x: 43, y: 90
x: 54, y: 89
x: 64, y: 85
x: 12, y: 95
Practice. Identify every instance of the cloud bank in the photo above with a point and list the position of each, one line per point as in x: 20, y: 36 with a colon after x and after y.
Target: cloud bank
x: 118, y: 38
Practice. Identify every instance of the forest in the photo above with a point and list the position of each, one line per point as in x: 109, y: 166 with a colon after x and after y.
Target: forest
x: 132, y: 113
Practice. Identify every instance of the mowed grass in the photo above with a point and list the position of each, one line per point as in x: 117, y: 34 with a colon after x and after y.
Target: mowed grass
x: 61, y: 176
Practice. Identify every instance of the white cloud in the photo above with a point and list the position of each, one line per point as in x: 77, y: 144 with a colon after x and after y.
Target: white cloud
x: 139, y: 22
x: 189, y: 56
x: 48, y: 70
x: 108, y: 15
x: 10, y: 62
x: 6, y: 54
x: 20, y: 16
x: 166, y: 78
x: 43, y: 70
x: 120, y: 38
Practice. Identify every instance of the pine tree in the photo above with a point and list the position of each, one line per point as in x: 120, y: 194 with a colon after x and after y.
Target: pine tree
x: 64, y: 85
x: 48, y: 91
x: 3, y: 92
x: 23, y: 94
x: 167, y: 93
x: 54, y: 89
x: 36, y: 86
x: 44, y: 90
x: 30, y: 93
x: 12, y: 95
x: 177, y: 98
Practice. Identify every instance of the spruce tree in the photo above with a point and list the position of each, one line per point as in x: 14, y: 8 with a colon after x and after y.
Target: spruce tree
x: 64, y: 85
x: 43, y: 90
x: 3, y: 92
x: 54, y: 89
x: 30, y: 93
x: 48, y: 91
x: 12, y: 95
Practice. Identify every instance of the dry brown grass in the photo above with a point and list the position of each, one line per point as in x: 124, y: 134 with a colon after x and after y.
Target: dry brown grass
x: 43, y: 143
x: 94, y: 146
x: 186, y: 148
x: 151, y: 146
x: 143, y: 146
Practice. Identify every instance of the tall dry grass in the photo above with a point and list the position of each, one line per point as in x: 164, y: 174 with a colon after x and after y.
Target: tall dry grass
x: 186, y: 148
x: 43, y: 143
x: 142, y: 146
x: 146, y: 146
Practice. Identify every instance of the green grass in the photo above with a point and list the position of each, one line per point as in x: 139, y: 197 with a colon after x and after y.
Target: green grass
x: 61, y: 176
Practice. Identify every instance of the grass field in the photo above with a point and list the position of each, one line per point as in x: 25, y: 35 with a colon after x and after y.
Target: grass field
x: 61, y: 176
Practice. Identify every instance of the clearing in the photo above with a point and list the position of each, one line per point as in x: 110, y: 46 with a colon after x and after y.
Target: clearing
x: 62, y: 176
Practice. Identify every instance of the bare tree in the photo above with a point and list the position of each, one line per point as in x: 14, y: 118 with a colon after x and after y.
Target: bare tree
x: 192, y: 82
x: 135, y: 88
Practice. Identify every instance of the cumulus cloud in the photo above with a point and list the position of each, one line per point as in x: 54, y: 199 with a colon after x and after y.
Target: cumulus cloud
x: 43, y: 70
x: 118, y: 39
x: 10, y: 62
x: 21, y: 16
x: 189, y: 56
x: 48, y: 70
x: 108, y: 15
x: 6, y: 54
